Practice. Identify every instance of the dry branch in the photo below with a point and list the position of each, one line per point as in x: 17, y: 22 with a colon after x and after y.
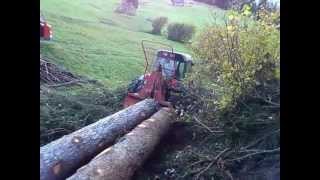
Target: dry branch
x: 255, y: 153
x: 205, y: 126
x: 60, y: 158
x: 212, y: 162
x: 200, y: 171
x: 260, y: 139
x: 53, y: 75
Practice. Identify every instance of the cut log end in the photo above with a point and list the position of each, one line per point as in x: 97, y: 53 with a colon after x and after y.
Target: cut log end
x: 57, y: 169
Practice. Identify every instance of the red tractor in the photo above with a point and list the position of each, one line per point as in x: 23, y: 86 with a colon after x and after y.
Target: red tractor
x: 162, y: 76
x: 45, y: 29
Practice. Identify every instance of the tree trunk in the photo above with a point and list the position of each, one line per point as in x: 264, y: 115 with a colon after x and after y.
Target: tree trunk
x: 61, y: 158
x: 120, y: 161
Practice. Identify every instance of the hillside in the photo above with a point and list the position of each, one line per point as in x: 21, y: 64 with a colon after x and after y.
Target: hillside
x: 228, y: 114
x: 93, y: 41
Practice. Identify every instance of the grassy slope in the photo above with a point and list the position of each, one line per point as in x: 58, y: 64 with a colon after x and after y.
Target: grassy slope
x: 91, y: 40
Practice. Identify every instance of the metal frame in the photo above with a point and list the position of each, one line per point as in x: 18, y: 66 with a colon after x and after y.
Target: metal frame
x: 145, y: 53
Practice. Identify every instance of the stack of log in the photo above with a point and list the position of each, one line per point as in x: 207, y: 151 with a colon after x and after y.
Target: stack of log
x: 63, y: 157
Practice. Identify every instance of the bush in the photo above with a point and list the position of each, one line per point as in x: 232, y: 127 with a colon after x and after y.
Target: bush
x: 128, y: 7
x: 158, y: 23
x: 236, y: 57
x: 180, y: 32
x: 233, y: 102
x: 234, y: 88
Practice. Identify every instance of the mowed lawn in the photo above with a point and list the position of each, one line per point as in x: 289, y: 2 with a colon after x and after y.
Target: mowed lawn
x: 93, y: 41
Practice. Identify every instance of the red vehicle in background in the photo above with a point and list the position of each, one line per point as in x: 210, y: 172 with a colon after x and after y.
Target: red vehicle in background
x: 45, y: 29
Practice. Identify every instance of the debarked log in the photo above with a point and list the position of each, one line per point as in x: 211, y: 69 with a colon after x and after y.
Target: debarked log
x: 120, y: 161
x: 62, y: 157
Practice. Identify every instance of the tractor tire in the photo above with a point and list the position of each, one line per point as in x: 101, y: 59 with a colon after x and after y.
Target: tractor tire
x: 136, y: 85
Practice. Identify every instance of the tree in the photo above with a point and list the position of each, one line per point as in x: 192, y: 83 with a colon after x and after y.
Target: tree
x: 128, y: 7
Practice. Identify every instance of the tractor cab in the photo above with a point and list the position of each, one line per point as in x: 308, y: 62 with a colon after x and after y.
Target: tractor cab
x: 164, y: 71
x: 173, y: 65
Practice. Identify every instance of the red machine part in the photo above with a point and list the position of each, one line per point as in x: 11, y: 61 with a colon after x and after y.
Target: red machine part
x: 45, y: 28
x: 46, y: 31
x: 154, y: 87
x: 173, y: 84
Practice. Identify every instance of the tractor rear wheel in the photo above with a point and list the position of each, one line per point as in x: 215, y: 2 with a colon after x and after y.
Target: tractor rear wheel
x: 136, y: 85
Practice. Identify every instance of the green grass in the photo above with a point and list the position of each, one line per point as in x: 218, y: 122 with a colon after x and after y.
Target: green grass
x: 91, y: 40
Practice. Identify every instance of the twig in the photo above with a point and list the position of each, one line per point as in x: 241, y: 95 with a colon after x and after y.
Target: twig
x: 253, y: 154
x: 267, y: 101
x: 228, y: 173
x: 64, y: 84
x: 260, y: 139
x: 206, y: 139
x: 47, y: 71
x: 204, y: 170
x: 249, y: 150
x: 190, y: 173
x: 52, y: 74
x: 201, y: 156
x: 212, y: 162
x: 54, y: 131
x: 205, y: 126
x: 221, y: 153
x: 198, y: 162
x: 271, y: 107
x: 272, y: 103
x: 245, y: 105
